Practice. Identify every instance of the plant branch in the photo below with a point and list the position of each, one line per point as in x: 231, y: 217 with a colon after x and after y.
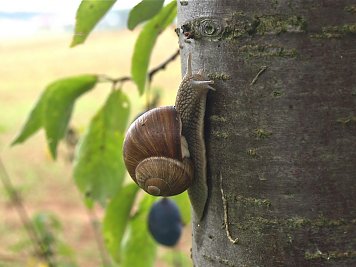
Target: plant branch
x: 151, y: 73
x: 24, y: 217
x: 162, y: 66
x: 98, y: 238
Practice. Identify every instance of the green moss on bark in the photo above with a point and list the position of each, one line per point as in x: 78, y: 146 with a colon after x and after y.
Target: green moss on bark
x: 347, y: 120
x: 252, y: 152
x: 257, y: 51
x: 351, y: 9
x: 277, y: 93
x: 276, y: 24
x: 241, y: 25
x: 215, y: 118
x: 256, y: 202
x: 219, y: 76
x: 338, y: 31
x: 217, y: 259
x: 220, y: 134
x: 329, y: 255
x: 291, y: 224
x: 262, y: 134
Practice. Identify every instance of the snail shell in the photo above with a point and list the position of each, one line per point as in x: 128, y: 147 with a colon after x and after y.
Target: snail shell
x: 156, y: 154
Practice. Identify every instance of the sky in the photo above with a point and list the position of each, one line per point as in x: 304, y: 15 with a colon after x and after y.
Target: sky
x: 59, y: 13
x: 57, y: 6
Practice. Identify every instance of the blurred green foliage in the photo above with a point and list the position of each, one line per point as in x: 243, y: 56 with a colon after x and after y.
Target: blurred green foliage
x: 99, y: 171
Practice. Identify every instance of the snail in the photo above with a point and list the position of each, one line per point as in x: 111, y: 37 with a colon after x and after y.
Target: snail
x: 164, y: 149
x: 156, y: 154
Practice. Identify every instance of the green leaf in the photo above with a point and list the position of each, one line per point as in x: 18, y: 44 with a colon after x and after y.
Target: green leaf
x: 98, y: 166
x: 138, y: 248
x: 53, y: 109
x: 89, y: 13
x: 146, y: 41
x: 116, y: 217
x: 58, y: 106
x: 34, y: 120
x: 183, y: 202
x: 143, y: 11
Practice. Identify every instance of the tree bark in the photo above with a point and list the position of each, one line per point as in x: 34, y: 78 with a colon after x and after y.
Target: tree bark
x: 280, y: 130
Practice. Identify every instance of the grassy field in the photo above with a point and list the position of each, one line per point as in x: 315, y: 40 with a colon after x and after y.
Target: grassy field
x: 26, y: 67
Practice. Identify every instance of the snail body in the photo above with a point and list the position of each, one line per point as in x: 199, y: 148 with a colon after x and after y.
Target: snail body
x: 164, y: 149
x: 191, y: 104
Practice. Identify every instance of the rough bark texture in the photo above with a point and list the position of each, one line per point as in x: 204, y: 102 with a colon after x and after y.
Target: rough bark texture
x: 281, y: 130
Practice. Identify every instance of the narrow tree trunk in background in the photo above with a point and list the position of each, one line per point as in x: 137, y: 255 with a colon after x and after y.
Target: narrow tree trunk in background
x: 280, y: 129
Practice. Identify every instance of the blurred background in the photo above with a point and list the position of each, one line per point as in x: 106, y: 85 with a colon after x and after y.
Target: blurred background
x: 34, y: 51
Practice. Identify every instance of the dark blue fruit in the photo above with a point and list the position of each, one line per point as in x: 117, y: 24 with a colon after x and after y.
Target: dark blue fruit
x: 164, y: 222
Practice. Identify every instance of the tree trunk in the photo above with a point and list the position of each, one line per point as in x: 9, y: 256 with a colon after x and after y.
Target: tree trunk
x: 280, y: 130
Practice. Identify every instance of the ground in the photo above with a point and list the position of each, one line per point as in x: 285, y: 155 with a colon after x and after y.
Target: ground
x: 26, y: 67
